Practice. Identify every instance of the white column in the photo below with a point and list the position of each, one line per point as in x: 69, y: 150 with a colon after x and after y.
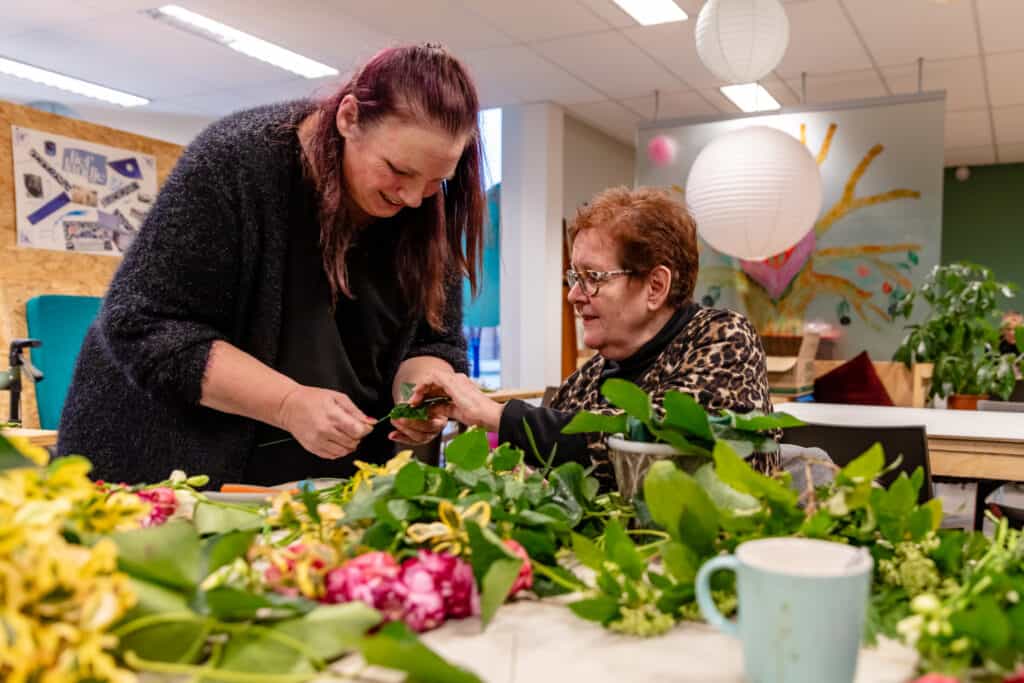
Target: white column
x: 531, y: 245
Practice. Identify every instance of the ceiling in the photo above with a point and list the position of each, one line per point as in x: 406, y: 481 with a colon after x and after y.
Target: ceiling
x: 586, y: 55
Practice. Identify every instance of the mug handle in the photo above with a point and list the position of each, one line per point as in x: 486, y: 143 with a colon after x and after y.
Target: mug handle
x: 704, y: 600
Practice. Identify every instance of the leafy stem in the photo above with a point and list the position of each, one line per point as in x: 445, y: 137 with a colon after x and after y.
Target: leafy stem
x: 140, y: 664
x: 558, y: 579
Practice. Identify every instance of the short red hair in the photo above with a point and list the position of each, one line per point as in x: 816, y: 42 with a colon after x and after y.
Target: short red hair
x: 650, y: 228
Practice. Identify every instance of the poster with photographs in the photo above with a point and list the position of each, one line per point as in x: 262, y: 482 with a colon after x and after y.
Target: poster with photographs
x: 72, y: 195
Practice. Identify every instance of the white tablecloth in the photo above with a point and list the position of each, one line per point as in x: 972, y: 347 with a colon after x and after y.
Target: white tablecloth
x: 538, y: 642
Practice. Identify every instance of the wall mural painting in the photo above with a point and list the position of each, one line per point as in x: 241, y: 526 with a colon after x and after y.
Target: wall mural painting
x: 778, y: 290
x: 878, y: 234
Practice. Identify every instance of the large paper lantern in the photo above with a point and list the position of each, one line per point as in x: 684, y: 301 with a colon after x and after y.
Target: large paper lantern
x: 742, y: 41
x: 754, y: 192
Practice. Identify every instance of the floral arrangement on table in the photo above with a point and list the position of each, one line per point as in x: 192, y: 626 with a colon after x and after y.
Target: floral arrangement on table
x: 104, y: 581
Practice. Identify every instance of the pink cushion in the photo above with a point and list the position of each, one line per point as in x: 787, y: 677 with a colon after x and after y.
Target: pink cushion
x: 854, y: 382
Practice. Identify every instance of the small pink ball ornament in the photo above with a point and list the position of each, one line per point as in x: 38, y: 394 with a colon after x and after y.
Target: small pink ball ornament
x: 661, y: 150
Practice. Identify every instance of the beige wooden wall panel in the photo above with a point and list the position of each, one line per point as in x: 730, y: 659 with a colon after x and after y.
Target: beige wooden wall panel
x: 25, y: 273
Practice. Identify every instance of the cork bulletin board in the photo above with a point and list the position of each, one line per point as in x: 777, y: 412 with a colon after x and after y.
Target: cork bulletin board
x: 25, y: 273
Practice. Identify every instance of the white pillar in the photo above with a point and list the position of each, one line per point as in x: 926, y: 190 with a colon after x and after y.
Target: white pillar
x: 531, y: 245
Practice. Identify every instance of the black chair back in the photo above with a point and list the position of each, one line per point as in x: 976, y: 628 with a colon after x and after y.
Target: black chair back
x: 844, y: 443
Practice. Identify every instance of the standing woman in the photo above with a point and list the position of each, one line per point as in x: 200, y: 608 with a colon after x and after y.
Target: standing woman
x: 301, y: 263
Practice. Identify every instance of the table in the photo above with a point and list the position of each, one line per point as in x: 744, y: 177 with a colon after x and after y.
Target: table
x: 36, y: 437
x: 538, y: 642
x: 969, y: 444
x: 506, y: 395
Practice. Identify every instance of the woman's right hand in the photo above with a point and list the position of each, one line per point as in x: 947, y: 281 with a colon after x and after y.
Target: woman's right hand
x: 327, y: 423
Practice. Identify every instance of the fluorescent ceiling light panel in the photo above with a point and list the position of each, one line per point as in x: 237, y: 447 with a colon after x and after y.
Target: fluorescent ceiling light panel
x: 79, y: 87
x: 249, y: 45
x: 750, y: 97
x: 650, y: 12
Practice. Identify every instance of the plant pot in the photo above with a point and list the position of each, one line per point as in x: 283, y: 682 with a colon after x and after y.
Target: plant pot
x: 631, y: 460
x: 964, y: 401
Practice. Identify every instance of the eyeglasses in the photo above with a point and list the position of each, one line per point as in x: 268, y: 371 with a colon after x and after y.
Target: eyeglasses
x: 590, y: 281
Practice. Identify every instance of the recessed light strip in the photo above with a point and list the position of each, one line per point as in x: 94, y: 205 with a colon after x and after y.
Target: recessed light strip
x: 75, y: 85
x: 650, y: 12
x: 750, y: 97
x: 247, y: 44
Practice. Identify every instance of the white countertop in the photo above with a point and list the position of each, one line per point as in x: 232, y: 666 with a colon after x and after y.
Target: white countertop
x: 956, y: 424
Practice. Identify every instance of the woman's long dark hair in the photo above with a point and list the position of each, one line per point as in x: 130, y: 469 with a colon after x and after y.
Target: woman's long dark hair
x: 443, y: 237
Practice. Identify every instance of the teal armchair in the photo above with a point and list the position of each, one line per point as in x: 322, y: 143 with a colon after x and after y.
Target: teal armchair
x: 60, y: 323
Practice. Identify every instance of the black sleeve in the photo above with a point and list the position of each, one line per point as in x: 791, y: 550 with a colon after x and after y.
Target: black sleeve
x: 174, y: 293
x: 448, y: 344
x: 546, y: 426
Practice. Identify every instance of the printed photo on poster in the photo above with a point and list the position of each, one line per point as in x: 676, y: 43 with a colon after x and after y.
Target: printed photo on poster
x: 72, y: 195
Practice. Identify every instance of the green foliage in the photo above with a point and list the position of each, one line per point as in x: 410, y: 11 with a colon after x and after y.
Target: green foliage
x: 959, y: 334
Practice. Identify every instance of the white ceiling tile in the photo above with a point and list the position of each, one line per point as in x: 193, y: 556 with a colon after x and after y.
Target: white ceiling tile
x: 821, y: 40
x: 611, y: 117
x: 675, y: 46
x: 610, y: 63
x: 530, y: 20
x: 1004, y: 84
x: 1009, y: 124
x: 444, y: 21
x: 672, y: 105
x: 968, y: 129
x: 969, y: 156
x: 223, y: 102
x: 609, y: 12
x: 962, y: 79
x: 1000, y: 25
x: 839, y: 87
x: 22, y: 16
x: 521, y: 74
x: 1012, y: 153
x: 900, y: 31
x: 785, y: 94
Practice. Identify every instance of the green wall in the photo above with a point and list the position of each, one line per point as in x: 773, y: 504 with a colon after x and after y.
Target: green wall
x: 983, y: 221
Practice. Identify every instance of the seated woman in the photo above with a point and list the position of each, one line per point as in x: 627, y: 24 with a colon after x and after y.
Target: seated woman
x: 634, y: 269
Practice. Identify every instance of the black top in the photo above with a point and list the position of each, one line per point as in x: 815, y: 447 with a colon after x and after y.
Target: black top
x: 210, y: 264
x: 546, y: 423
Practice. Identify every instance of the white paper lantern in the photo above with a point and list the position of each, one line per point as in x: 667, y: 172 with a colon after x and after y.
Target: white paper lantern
x: 754, y: 192
x: 742, y: 41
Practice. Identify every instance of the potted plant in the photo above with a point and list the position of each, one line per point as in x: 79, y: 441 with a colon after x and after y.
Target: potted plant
x: 682, y: 430
x: 959, y: 335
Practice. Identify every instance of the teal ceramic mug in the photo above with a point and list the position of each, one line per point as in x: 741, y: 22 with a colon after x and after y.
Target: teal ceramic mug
x: 802, y: 604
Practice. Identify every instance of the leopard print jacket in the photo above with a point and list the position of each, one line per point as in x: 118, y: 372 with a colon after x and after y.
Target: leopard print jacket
x: 717, y: 358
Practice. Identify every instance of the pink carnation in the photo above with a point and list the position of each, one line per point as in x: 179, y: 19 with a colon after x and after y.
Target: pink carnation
x: 453, y: 581
x: 372, y: 578
x: 525, y: 578
x: 936, y: 678
x: 424, y: 606
x: 162, y: 505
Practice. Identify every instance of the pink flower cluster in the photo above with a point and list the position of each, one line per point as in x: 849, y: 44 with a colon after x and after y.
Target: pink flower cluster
x: 162, y: 505
x: 525, y: 578
x: 423, y: 591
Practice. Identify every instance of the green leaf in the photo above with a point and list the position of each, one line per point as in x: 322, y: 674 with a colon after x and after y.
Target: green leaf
x: 680, y: 561
x: 586, y: 423
x: 865, y: 467
x: 986, y: 623
x: 496, y: 586
x: 683, y: 412
x: 506, y: 458
x: 722, y: 495
x: 732, y: 470
x: 405, y: 390
x: 468, y: 450
x: 1018, y: 336
x: 759, y: 422
x: 233, y: 604
x: 410, y: 480
x: 539, y: 545
x: 819, y: 525
x: 379, y: 536
x: 402, y: 510
x: 587, y: 552
x: 394, y: 646
x: 222, y: 549
x: 486, y: 548
x: 166, y: 554
x: 621, y: 550
x: 601, y: 609
x: 178, y: 640
x: 11, y: 458
x: 681, y: 506
x: 212, y: 518
x: 629, y: 397
x: 901, y: 497
x: 919, y: 523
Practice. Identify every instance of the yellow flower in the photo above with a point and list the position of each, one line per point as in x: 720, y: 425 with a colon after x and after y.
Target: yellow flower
x: 367, y: 471
x: 36, y: 454
x: 449, y: 534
